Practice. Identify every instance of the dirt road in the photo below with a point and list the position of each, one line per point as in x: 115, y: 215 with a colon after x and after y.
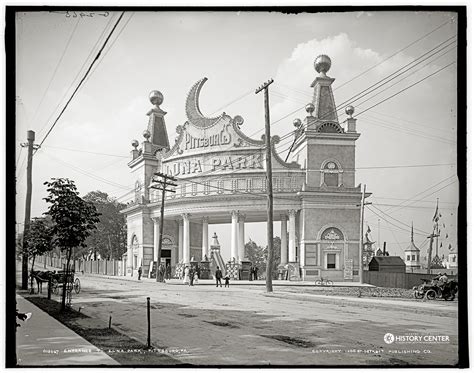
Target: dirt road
x: 243, y: 325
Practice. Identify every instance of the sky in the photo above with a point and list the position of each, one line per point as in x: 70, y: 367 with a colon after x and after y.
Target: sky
x: 406, y: 154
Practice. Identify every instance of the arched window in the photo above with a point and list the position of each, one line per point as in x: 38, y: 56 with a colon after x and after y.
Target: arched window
x: 332, y: 248
x: 331, y: 174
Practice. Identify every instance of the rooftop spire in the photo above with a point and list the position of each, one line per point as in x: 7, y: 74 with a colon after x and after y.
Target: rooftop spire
x: 323, y: 99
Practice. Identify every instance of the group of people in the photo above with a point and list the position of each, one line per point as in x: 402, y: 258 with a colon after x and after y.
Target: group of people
x: 191, y: 275
x: 164, y: 272
x: 218, y: 276
x: 253, y: 273
x: 440, y: 280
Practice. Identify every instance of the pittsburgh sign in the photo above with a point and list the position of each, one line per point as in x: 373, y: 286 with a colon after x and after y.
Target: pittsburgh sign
x: 218, y: 139
x: 218, y: 163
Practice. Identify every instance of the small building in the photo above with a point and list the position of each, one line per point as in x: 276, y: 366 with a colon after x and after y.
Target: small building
x: 387, y: 264
x: 412, y: 254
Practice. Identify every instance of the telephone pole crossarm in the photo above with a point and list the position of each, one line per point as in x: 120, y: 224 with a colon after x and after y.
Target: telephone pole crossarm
x: 165, y: 182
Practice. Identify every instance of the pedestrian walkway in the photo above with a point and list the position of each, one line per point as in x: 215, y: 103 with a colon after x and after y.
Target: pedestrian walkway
x: 44, y: 341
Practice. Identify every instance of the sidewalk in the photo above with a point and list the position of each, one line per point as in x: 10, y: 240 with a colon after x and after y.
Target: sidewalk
x: 44, y: 341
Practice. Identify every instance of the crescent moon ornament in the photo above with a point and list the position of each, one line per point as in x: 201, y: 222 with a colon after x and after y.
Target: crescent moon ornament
x: 192, y: 107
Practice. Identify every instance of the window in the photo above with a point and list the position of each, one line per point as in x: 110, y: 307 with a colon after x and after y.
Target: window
x: 408, y: 257
x: 413, y: 257
x: 331, y: 174
x: 331, y: 261
x: 331, y: 180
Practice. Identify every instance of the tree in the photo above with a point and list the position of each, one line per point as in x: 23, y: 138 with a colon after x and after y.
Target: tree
x: 276, y: 256
x: 258, y: 255
x: 38, y: 239
x: 73, y: 219
x: 110, y: 238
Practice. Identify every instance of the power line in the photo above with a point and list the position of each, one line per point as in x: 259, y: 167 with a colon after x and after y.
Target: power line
x: 424, y: 191
x: 410, y: 86
x: 85, y: 151
x: 56, y: 68
x: 111, y: 45
x: 86, y: 173
x: 392, y: 76
x: 397, y: 52
x: 77, y: 75
x: 82, y: 80
x: 406, y: 166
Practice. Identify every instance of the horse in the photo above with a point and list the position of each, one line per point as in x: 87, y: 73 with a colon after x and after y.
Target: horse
x: 40, y: 277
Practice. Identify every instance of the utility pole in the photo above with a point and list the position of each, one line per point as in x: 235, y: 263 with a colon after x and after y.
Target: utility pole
x: 164, y: 182
x: 361, y: 242
x: 30, y: 137
x: 269, y: 268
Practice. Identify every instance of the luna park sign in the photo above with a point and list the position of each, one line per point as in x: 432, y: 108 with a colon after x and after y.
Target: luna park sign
x: 198, y: 163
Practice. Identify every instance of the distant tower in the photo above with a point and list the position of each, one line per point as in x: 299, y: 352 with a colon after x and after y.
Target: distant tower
x: 412, y: 254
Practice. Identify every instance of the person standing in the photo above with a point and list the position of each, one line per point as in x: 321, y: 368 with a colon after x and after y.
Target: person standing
x: 191, y: 277
x: 186, y: 275
x: 139, y: 273
x: 218, y: 277
x: 255, y: 273
x: 168, y: 271
x: 251, y: 273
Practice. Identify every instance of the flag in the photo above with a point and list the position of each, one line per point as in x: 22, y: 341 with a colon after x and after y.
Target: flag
x: 368, y: 229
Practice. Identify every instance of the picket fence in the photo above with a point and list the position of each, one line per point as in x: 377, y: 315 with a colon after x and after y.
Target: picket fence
x: 99, y: 267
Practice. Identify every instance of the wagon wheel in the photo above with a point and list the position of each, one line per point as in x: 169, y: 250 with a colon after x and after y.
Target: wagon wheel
x: 431, y: 294
x: 418, y: 295
x: 318, y: 283
x: 329, y: 283
x: 77, y: 286
x: 55, y: 286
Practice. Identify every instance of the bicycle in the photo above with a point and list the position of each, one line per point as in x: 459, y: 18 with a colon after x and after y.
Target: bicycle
x: 323, y: 282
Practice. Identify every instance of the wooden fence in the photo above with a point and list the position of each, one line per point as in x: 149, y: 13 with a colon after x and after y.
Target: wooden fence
x: 99, y: 267
x: 398, y: 280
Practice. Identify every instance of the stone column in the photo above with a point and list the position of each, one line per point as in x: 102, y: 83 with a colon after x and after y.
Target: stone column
x: 284, y: 241
x: 205, y: 237
x: 234, y: 238
x: 180, y: 240
x: 186, y: 247
x: 241, y: 237
x: 292, y: 238
x: 156, y: 225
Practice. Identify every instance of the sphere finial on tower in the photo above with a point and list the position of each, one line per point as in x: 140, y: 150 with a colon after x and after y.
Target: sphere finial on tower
x: 156, y: 98
x: 146, y: 135
x: 297, y: 123
x: 135, y: 144
x: 350, y: 110
x: 322, y: 64
x: 310, y: 109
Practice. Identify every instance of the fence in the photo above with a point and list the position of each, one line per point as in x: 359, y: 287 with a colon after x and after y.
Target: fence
x: 397, y: 280
x: 99, y: 267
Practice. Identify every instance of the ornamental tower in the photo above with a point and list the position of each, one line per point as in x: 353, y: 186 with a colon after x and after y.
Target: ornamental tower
x: 329, y: 220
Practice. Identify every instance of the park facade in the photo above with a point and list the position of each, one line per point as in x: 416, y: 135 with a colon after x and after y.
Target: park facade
x: 221, y: 179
